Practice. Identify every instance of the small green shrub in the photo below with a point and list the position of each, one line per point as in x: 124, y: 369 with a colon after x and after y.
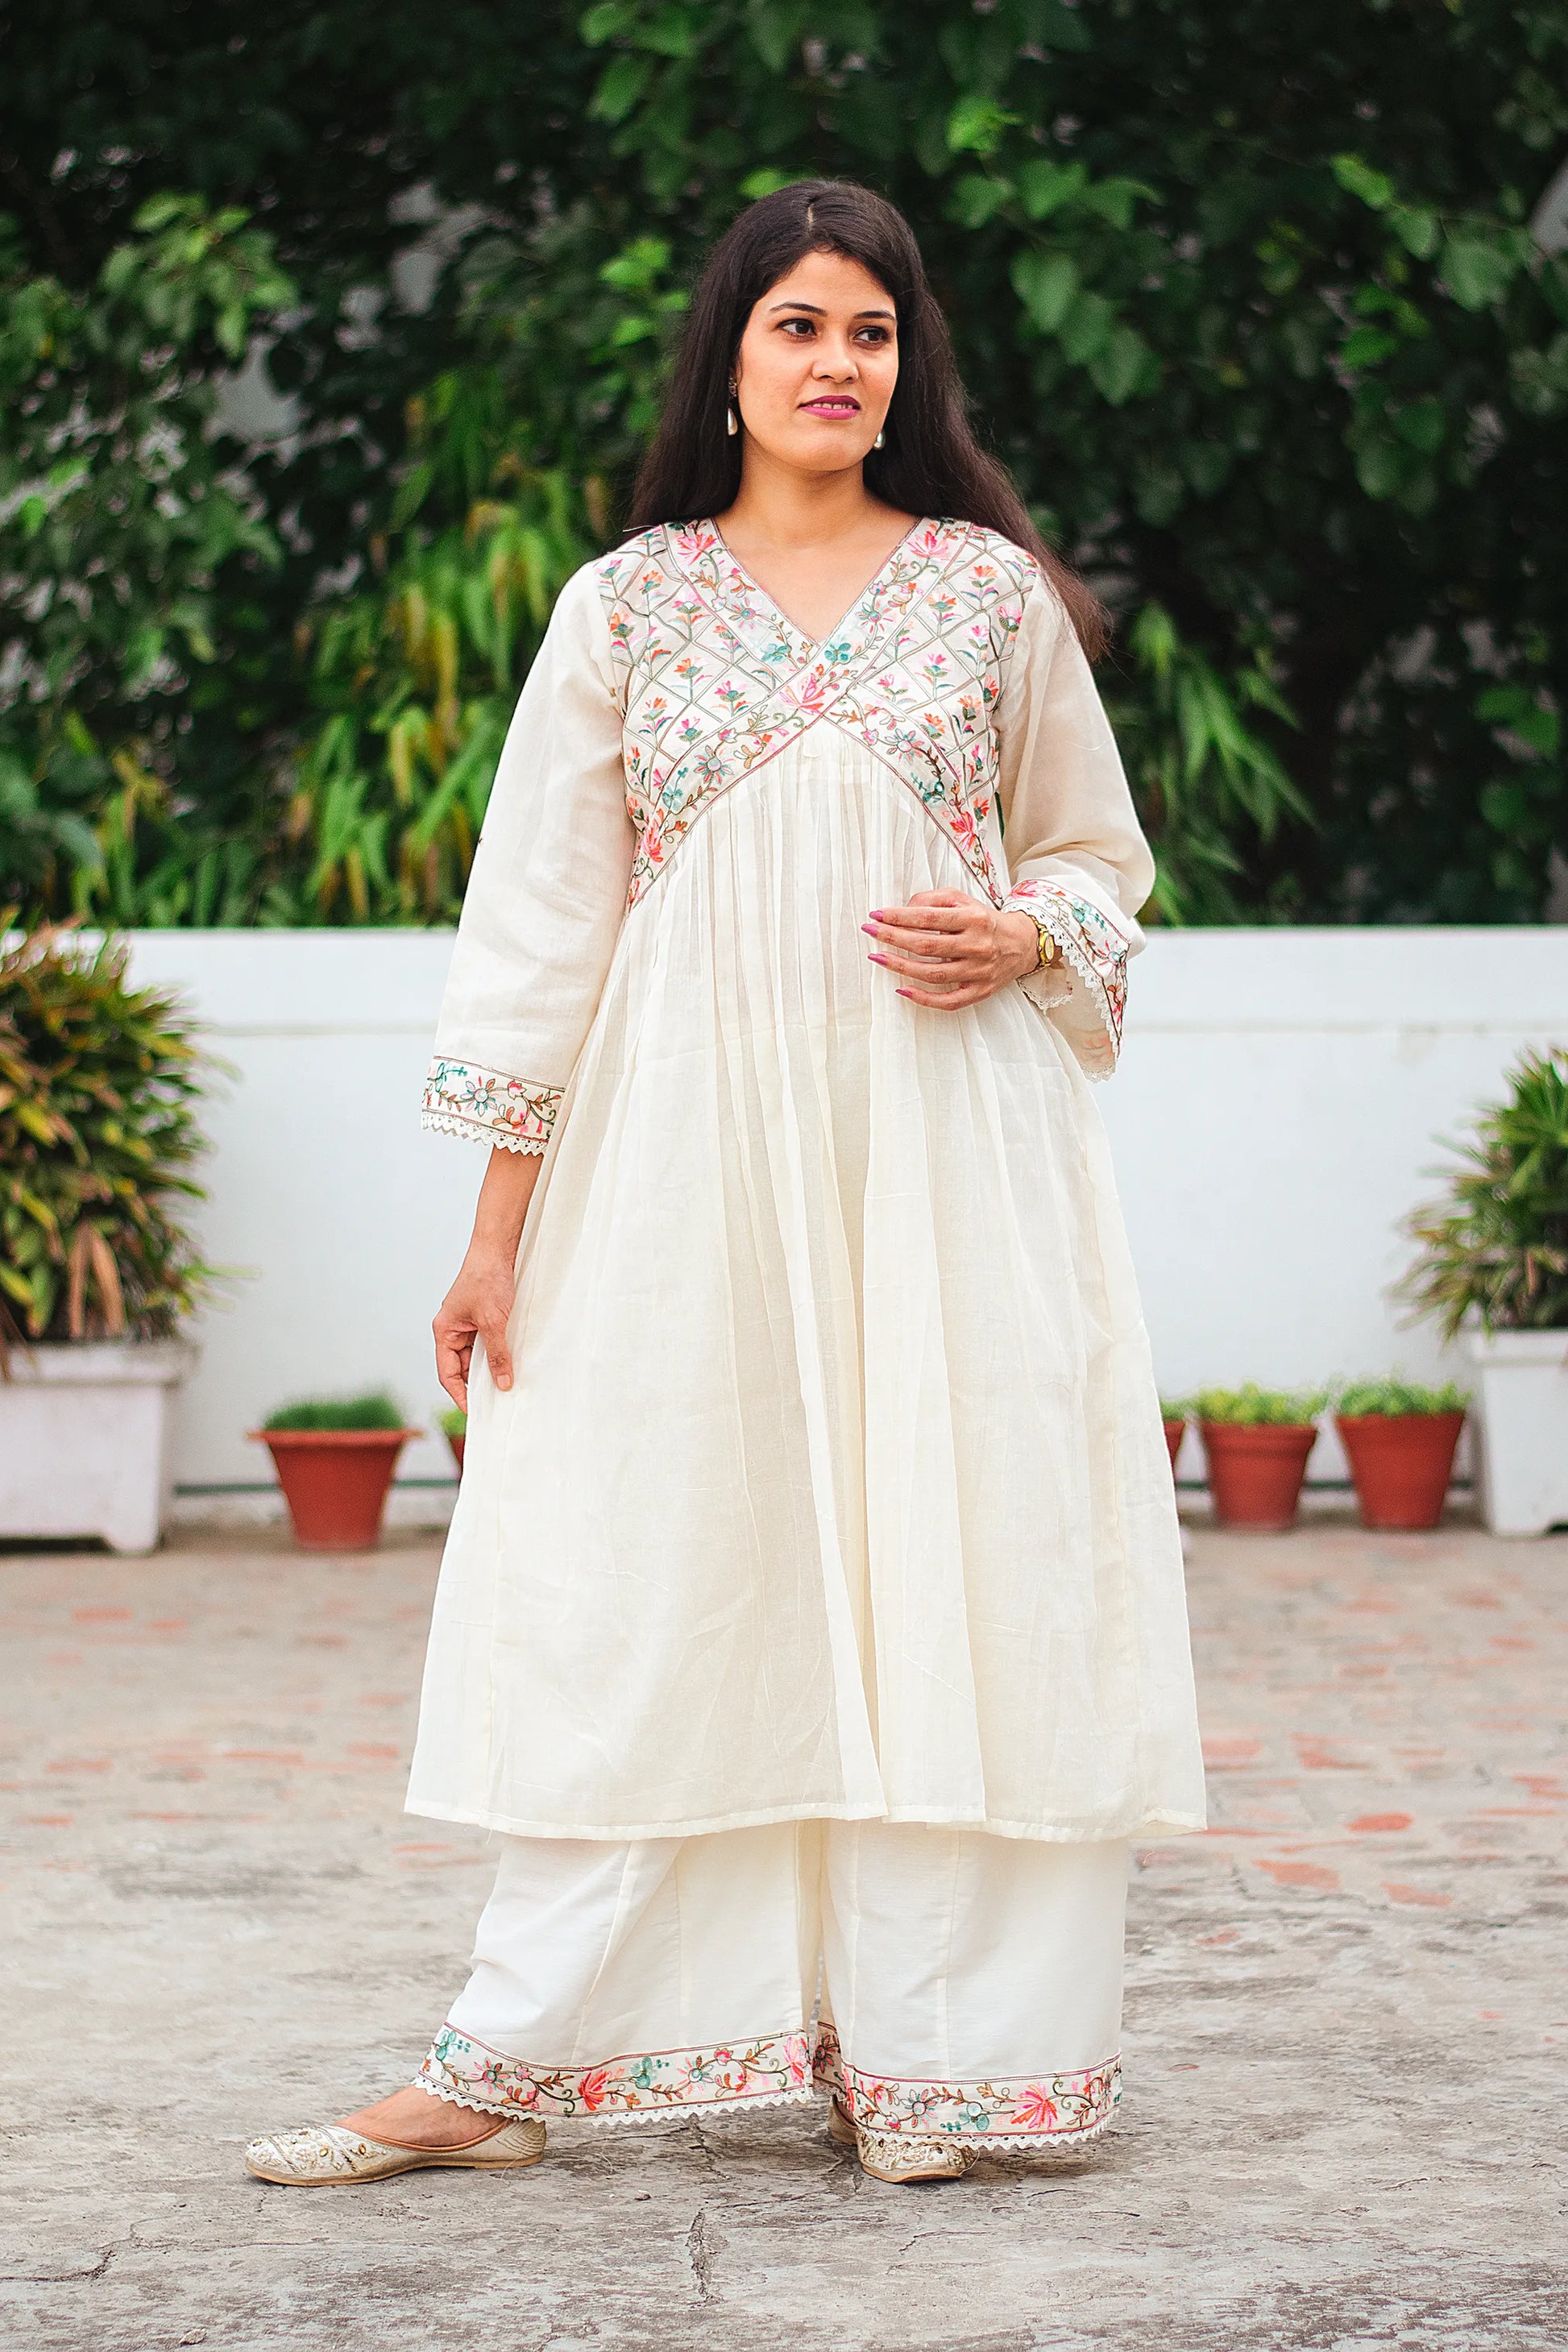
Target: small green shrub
x: 1496, y: 1248
x: 454, y: 1422
x: 99, y: 1088
x: 1361, y: 1398
x: 377, y: 1411
x: 1251, y: 1406
x: 1173, y: 1409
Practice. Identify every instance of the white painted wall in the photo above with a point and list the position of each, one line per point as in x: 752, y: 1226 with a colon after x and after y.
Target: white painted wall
x: 1276, y: 1106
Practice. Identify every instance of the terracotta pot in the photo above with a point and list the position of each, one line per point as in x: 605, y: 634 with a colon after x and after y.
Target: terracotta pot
x: 1175, y: 1433
x: 1401, y: 1463
x: 456, y: 1445
x: 335, y: 1482
x: 1255, y: 1470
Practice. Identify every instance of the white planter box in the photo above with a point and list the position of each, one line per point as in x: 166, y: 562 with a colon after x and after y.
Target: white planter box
x: 84, y: 1439
x: 1523, y: 1413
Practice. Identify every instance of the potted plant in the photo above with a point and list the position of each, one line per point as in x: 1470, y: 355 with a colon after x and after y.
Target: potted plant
x: 1493, y: 1264
x: 99, y: 1087
x: 1256, y: 1441
x: 334, y: 1457
x: 1399, y: 1439
x: 455, y: 1427
x: 1175, y: 1417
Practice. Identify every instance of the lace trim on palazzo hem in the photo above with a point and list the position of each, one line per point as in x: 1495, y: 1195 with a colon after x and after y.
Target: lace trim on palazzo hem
x: 772, y: 2068
x: 1044, y: 2111
x: 1044, y: 2114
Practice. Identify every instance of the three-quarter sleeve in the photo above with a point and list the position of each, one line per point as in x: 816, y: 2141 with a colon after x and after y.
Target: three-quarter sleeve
x: 546, y: 897
x: 1075, y: 854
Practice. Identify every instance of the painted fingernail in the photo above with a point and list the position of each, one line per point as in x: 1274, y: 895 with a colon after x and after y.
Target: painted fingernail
x: 906, y: 992
x: 870, y: 929
x: 878, y: 914
x: 876, y: 958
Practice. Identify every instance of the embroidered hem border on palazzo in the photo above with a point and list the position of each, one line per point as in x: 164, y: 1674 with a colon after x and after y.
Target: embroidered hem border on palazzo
x: 1049, y: 2111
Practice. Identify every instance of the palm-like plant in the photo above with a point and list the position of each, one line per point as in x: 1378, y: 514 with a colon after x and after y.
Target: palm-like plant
x: 99, y: 1084
x: 418, y: 678
x: 1496, y: 1247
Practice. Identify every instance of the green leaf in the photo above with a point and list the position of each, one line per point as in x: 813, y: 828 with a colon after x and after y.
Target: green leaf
x: 1046, y: 284
x: 1417, y: 229
x: 1422, y: 423
x: 603, y: 23
x: 1366, y: 346
x: 975, y: 200
x: 1121, y: 367
x: 976, y: 125
x: 1358, y: 179
x: 774, y: 32
x: 1044, y: 187
x: 620, y: 86
x: 1117, y: 199
x: 1381, y: 467
x: 1476, y: 271
x: 1086, y: 330
x: 765, y: 182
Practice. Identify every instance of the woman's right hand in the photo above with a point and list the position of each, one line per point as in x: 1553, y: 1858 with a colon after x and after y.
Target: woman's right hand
x: 478, y: 1305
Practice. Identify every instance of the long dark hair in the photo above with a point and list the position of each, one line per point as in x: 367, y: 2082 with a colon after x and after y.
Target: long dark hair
x: 932, y: 464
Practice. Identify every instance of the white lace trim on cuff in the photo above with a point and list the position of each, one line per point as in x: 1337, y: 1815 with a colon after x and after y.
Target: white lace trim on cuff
x: 1095, y: 953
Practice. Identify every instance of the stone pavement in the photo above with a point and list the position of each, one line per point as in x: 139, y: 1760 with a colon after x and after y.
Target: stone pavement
x: 1346, y: 2033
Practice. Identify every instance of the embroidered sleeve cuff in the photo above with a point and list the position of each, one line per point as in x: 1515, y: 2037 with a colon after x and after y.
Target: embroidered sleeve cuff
x: 1093, y: 974
x: 461, y: 1099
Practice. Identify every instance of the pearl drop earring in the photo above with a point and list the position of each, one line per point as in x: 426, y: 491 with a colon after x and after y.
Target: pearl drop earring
x: 731, y: 421
x: 880, y: 437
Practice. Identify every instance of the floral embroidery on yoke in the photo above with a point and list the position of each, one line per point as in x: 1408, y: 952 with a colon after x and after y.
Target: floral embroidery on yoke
x: 1045, y: 2111
x: 461, y: 1099
x: 715, y: 680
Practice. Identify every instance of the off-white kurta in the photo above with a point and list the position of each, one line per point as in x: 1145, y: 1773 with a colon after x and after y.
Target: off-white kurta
x: 832, y: 1482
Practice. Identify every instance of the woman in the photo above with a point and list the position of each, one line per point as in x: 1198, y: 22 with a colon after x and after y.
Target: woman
x: 813, y: 1606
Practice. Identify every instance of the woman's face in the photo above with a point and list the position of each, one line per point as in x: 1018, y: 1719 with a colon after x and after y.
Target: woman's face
x: 816, y: 366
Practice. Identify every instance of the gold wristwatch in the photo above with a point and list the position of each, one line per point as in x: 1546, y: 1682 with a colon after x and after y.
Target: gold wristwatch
x: 1050, y: 946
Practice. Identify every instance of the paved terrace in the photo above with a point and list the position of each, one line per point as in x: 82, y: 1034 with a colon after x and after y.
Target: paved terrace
x: 1347, y: 2023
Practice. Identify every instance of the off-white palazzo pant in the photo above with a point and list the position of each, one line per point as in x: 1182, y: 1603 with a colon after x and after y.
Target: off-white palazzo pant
x: 933, y: 1979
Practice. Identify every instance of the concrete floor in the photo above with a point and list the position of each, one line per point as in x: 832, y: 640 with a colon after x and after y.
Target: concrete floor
x: 1347, y: 2016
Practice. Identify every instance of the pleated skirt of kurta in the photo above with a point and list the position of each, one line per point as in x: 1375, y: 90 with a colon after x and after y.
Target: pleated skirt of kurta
x: 832, y: 1481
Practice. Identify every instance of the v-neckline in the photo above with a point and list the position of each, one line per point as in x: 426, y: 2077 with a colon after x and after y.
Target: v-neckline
x: 815, y: 645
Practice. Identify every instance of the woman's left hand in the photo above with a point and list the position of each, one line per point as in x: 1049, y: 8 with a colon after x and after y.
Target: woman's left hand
x: 948, y: 949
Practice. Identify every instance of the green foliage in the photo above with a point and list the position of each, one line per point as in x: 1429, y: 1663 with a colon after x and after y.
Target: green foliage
x: 1173, y: 1409
x: 122, y: 523
x: 1248, y: 303
x: 1495, y: 1248
x: 1389, y: 1395
x: 1205, y: 779
x: 99, y: 1088
x: 454, y: 1422
x: 376, y: 1410
x: 418, y: 678
x: 1251, y: 1407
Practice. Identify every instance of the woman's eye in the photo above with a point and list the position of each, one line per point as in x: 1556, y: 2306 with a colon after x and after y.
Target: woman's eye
x: 791, y: 326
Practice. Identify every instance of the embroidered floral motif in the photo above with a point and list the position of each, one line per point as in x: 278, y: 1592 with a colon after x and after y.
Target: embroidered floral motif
x: 716, y: 681
x: 1055, y: 2110
x: 1096, y: 952
x: 774, y: 2066
x: 461, y: 1099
